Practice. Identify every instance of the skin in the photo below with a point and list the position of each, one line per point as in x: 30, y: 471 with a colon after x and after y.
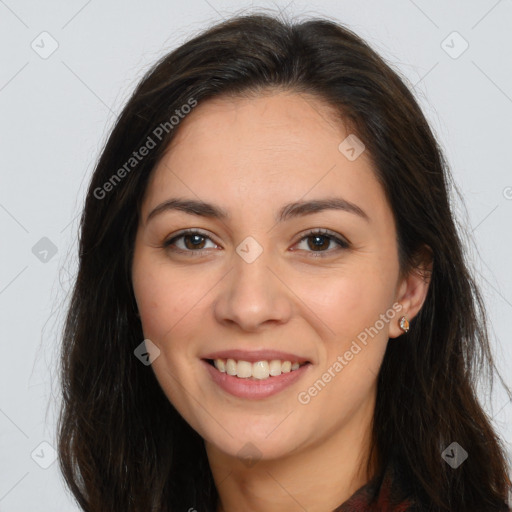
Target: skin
x: 252, y: 156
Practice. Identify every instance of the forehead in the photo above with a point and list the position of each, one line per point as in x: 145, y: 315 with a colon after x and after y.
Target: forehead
x: 273, y: 147
x: 269, y: 123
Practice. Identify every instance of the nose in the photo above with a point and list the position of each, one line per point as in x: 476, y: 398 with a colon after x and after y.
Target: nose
x: 252, y: 295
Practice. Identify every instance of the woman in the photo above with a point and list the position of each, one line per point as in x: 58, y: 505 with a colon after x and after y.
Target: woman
x: 273, y: 309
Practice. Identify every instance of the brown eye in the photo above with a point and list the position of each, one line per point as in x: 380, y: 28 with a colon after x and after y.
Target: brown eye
x: 188, y: 242
x: 194, y: 241
x: 319, y: 242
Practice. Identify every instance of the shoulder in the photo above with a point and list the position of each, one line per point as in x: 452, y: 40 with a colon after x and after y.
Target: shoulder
x: 392, y: 490
x: 388, y: 491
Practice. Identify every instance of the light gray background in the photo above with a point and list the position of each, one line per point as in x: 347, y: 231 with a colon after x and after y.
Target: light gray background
x: 57, y: 111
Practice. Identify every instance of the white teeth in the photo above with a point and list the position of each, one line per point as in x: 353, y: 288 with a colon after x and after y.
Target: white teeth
x: 259, y: 370
x: 244, y: 369
x: 275, y: 367
x: 230, y: 367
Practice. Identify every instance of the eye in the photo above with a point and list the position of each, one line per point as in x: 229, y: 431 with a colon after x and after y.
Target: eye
x: 320, y: 240
x: 188, y: 241
x: 317, y: 242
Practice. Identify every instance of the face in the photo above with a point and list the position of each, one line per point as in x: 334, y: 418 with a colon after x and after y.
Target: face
x: 271, y: 276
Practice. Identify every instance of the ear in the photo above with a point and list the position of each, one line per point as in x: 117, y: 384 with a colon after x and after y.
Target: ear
x: 412, y: 289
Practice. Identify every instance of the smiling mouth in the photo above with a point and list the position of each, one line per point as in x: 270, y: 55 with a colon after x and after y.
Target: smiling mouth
x: 259, y: 370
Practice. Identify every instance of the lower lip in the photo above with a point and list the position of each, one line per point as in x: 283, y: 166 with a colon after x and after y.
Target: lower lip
x: 254, y: 388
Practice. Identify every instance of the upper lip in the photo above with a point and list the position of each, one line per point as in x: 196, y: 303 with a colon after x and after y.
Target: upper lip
x: 256, y: 355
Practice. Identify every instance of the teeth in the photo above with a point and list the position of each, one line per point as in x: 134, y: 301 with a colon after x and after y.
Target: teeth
x: 275, y: 367
x: 259, y: 370
x: 220, y: 365
x: 230, y: 367
x: 244, y: 369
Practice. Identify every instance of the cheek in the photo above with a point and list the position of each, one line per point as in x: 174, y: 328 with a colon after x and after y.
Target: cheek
x: 351, y: 304
x: 166, y: 299
x: 170, y: 312
x: 348, y: 301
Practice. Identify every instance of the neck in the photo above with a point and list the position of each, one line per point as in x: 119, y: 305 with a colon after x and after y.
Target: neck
x: 317, y: 478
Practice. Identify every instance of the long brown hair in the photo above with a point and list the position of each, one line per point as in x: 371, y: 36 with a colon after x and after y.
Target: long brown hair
x: 122, y: 445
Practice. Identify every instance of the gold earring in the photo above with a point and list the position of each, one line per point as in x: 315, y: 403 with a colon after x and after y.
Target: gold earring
x: 404, y: 324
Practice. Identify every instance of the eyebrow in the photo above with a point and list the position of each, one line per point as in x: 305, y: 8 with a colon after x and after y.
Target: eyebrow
x: 288, y: 211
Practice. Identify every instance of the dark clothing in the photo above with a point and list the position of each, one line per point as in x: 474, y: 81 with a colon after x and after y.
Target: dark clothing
x: 389, y: 493
x: 392, y: 492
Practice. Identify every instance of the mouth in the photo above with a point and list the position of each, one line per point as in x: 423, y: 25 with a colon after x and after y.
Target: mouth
x: 255, y: 375
x: 255, y: 370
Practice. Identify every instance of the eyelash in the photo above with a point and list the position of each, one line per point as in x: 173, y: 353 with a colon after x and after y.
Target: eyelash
x: 343, y: 244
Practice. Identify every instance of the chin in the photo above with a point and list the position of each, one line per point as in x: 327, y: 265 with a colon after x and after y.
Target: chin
x: 256, y: 442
